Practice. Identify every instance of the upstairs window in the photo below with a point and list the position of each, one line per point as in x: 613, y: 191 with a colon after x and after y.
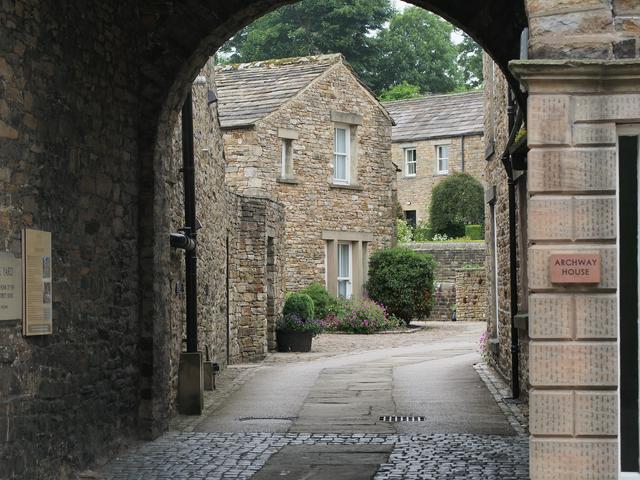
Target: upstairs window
x: 442, y: 159
x: 286, y: 167
x: 410, y: 166
x: 341, y: 156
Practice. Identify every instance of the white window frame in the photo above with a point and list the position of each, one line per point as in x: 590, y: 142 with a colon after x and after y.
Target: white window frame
x: 439, y: 158
x: 346, y: 154
x: 349, y: 278
x: 286, y: 142
x: 407, y: 172
x: 622, y: 130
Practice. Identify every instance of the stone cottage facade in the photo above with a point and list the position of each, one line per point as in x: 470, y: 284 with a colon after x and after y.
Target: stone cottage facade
x: 434, y: 137
x: 319, y: 144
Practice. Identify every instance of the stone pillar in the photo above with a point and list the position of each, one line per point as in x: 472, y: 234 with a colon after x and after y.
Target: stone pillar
x: 332, y: 266
x: 356, y: 265
x: 573, y: 112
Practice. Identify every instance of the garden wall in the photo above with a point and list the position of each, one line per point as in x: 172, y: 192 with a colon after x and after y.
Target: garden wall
x: 453, y: 286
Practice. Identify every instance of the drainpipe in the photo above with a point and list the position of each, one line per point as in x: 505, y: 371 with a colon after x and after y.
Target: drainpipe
x: 514, y: 126
x: 462, y: 153
x: 190, y: 258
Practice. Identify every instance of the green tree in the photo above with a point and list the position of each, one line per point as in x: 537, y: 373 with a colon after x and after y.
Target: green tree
x: 400, y: 92
x: 455, y: 202
x: 417, y: 49
x: 313, y: 27
x: 470, y: 62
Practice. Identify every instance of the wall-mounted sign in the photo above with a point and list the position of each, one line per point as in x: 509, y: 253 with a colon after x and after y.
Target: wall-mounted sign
x: 575, y: 268
x: 36, y: 267
x: 10, y: 287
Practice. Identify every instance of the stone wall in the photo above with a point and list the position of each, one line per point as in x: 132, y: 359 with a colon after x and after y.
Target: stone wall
x: 414, y: 193
x: 312, y: 203
x: 258, y: 278
x: 68, y: 150
x: 451, y: 258
x: 499, y: 319
x: 472, y: 293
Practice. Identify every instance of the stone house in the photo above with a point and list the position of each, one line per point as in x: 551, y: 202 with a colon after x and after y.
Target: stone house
x: 435, y: 136
x: 319, y: 144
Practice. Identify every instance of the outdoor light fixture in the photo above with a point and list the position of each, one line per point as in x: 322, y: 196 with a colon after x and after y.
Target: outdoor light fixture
x: 211, y: 97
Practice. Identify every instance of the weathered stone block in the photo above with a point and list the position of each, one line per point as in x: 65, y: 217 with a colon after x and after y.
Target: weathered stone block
x: 583, y: 21
x: 557, y: 364
x: 545, y: 7
x: 549, y: 120
x: 596, y: 413
x: 607, y: 107
x: 539, y: 274
x: 550, y: 218
x: 596, y: 316
x: 592, y: 169
x: 589, y: 135
x: 551, y: 412
x: 585, y: 459
x: 551, y: 316
x: 626, y: 7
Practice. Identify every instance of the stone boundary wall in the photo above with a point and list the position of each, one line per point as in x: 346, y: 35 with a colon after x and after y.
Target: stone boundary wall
x: 472, y: 295
x: 451, y: 257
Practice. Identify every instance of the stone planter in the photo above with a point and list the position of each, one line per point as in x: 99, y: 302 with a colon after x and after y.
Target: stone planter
x: 289, y: 341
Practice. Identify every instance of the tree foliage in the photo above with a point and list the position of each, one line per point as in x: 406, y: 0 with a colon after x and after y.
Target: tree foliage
x: 455, y: 202
x: 314, y: 27
x: 470, y: 62
x: 403, y: 281
x: 402, y: 91
x: 417, y: 49
x: 390, y: 51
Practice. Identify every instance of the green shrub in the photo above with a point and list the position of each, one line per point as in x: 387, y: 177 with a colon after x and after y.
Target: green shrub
x: 455, y: 202
x: 323, y: 302
x: 403, y: 281
x: 299, y: 305
x: 404, y: 232
x: 422, y: 233
x: 474, y: 232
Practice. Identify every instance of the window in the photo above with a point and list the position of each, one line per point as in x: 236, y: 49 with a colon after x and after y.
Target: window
x: 286, y: 168
x: 411, y: 217
x: 341, y: 157
x: 442, y: 159
x: 344, y: 270
x: 410, y: 162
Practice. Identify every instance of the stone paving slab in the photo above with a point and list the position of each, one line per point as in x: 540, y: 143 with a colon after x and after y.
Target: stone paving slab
x: 240, y: 455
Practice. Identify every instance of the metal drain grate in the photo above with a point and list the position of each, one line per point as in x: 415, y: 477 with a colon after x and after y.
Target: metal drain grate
x: 399, y: 418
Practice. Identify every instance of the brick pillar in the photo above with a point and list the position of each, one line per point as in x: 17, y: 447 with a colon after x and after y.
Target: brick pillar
x: 573, y: 111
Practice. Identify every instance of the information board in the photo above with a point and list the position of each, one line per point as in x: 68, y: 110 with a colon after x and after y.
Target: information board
x: 37, y: 276
x: 10, y: 287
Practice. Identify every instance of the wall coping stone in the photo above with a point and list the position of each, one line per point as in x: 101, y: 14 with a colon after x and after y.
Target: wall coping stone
x: 446, y: 246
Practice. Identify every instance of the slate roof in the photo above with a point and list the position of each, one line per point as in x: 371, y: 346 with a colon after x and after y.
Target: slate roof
x: 437, y: 116
x: 248, y: 92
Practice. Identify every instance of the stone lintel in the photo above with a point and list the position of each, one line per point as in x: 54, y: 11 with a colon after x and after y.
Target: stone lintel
x: 563, y: 76
x: 347, y: 236
x: 344, y: 117
x: 288, y: 133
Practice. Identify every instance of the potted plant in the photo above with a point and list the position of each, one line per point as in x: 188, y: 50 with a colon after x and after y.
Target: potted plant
x: 296, y: 326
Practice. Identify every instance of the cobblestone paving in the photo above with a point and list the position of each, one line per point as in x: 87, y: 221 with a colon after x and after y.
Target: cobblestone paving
x: 240, y: 455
